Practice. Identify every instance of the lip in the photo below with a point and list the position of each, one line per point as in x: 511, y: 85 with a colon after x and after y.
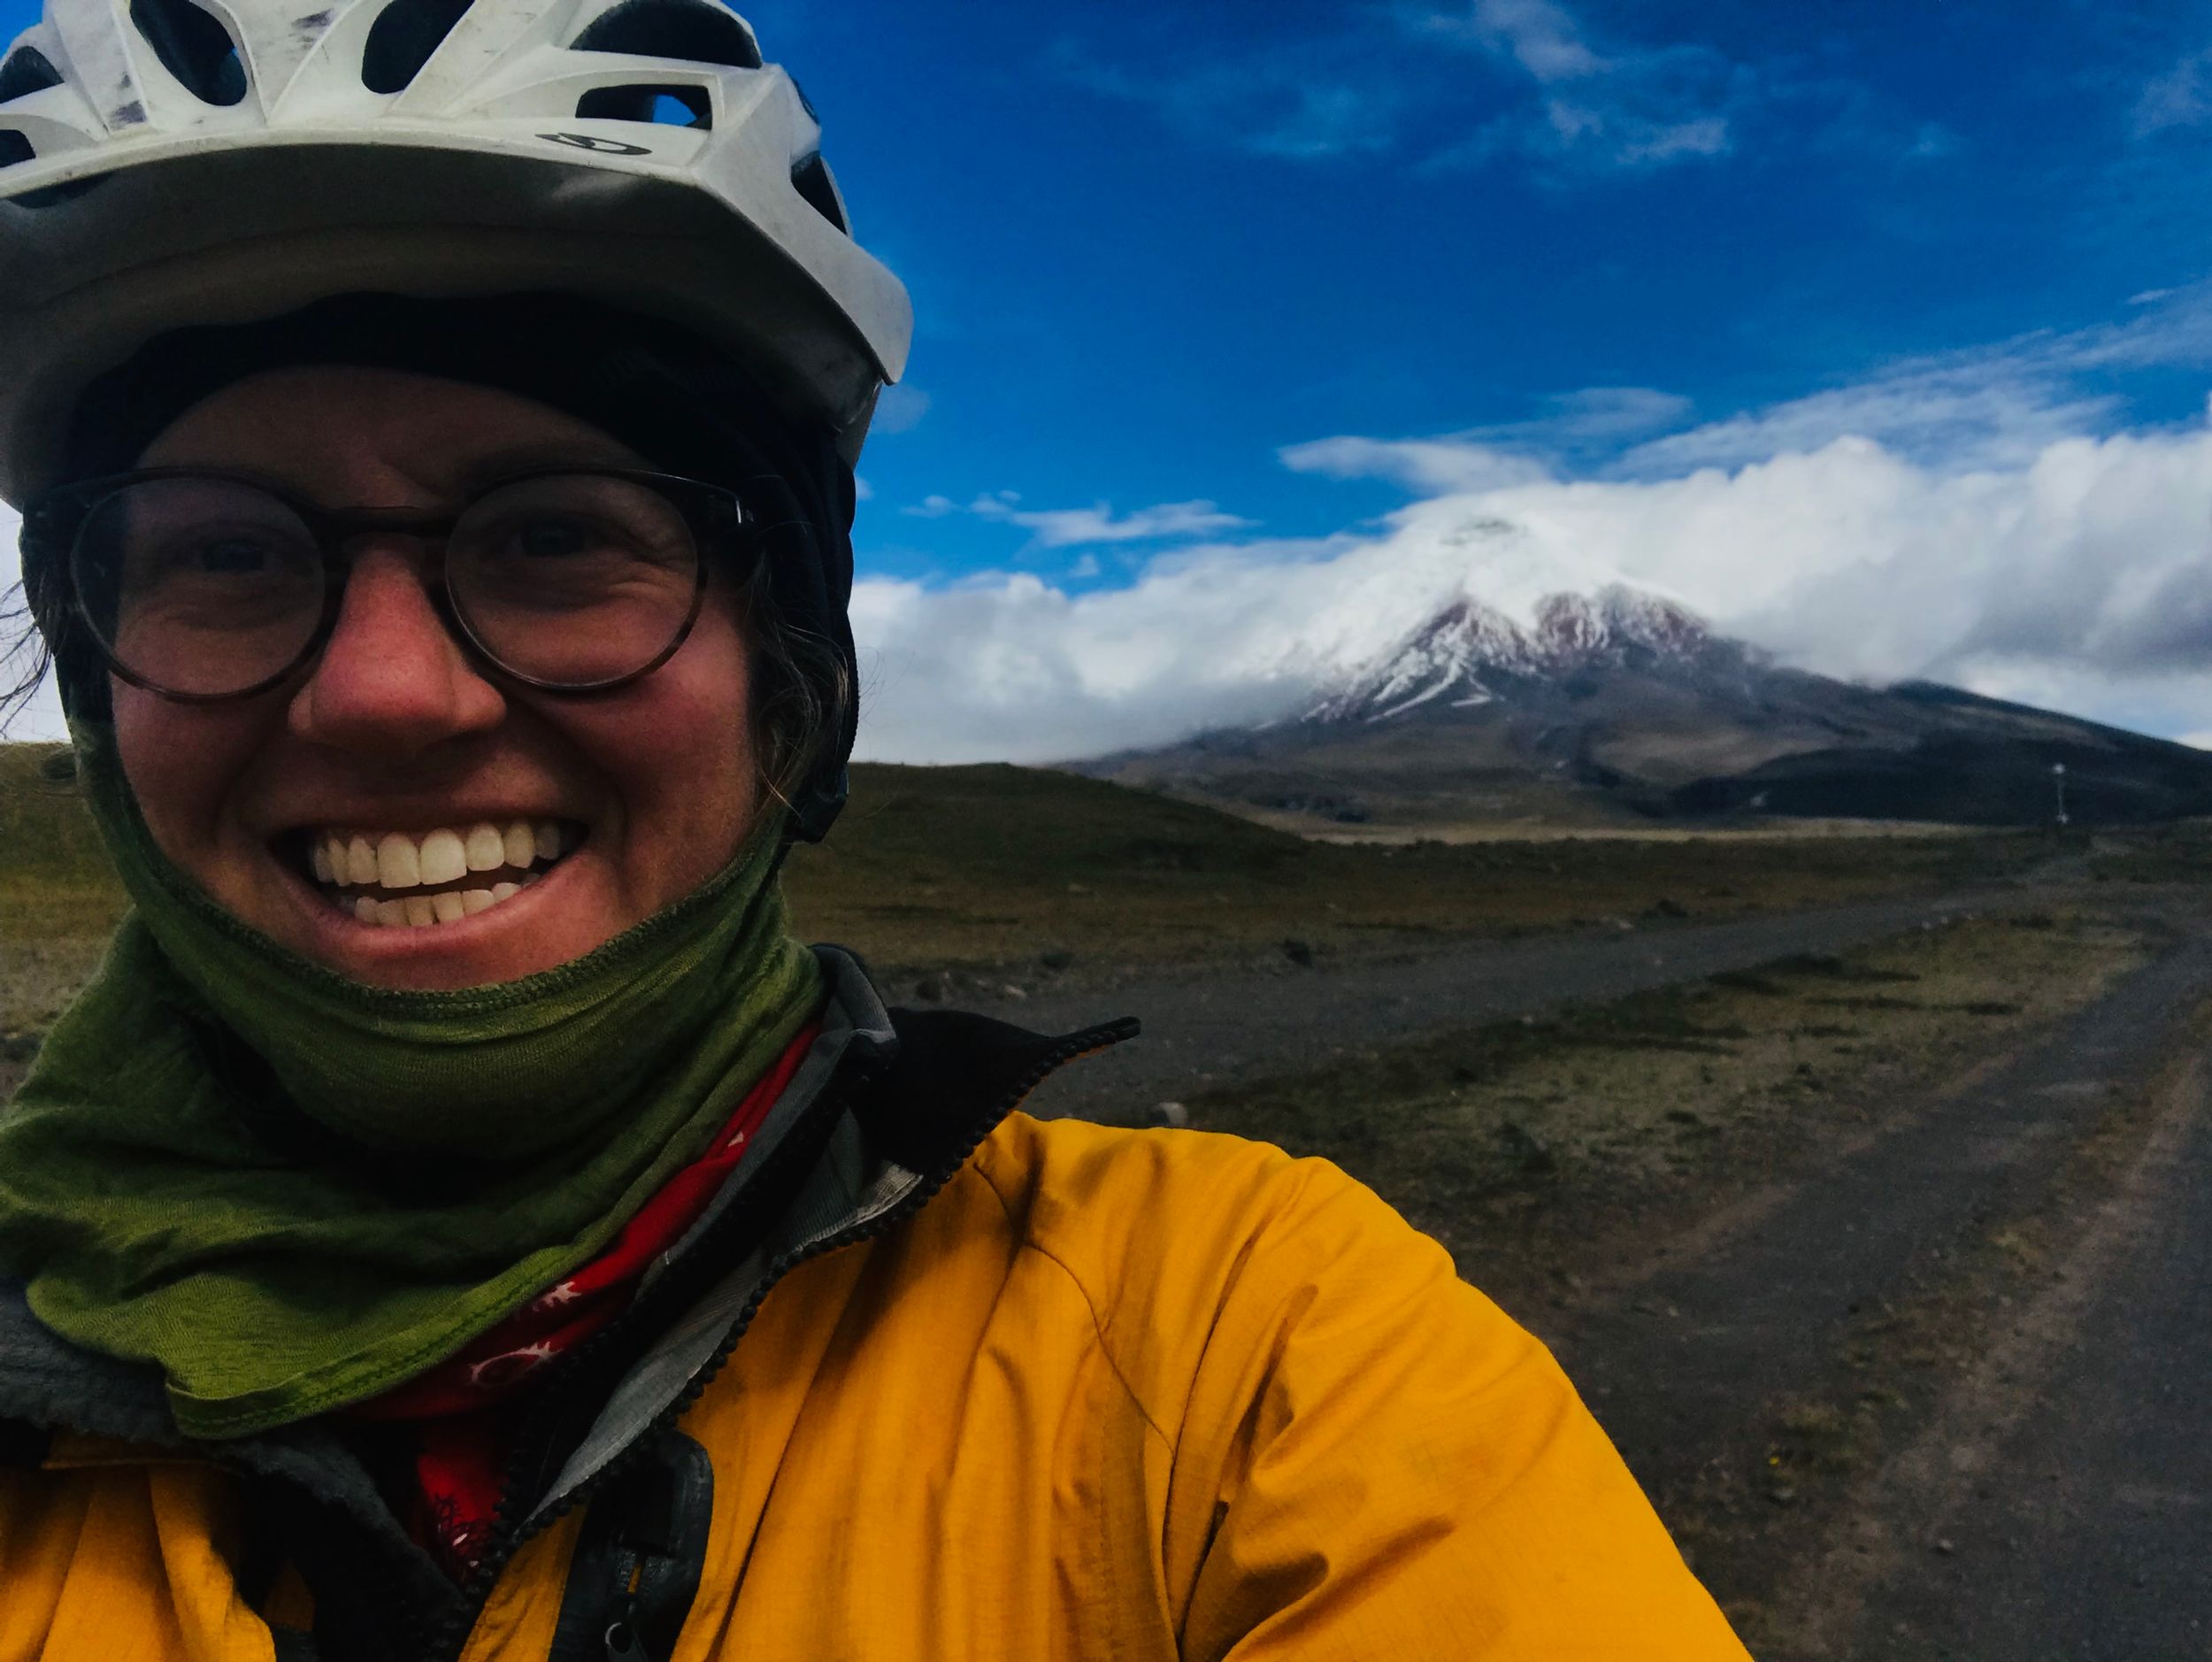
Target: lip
x: 379, y: 817
x: 340, y: 937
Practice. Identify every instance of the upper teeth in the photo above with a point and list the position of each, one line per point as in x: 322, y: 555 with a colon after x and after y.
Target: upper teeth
x: 398, y: 860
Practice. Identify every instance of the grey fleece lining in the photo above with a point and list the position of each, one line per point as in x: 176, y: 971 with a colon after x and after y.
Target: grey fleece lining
x: 846, y: 1189
x: 48, y: 1383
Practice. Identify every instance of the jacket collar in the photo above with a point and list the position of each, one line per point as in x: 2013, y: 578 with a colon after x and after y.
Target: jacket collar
x: 920, y: 1089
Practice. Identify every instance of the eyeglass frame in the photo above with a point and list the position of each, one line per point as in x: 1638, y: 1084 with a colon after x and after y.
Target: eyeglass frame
x: 716, y: 516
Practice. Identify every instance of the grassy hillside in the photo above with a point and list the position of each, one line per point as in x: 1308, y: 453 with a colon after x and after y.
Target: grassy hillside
x: 54, y: 877
x: 999, y: 865
x: 988, y: 867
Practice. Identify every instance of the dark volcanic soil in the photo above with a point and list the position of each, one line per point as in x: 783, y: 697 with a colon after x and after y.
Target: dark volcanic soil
x: 1203, y: 1028
x: 1749, y: 1386
x: 1927, y: 1386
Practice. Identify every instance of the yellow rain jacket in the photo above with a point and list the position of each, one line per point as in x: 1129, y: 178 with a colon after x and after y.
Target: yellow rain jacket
x: 1065, y: 1391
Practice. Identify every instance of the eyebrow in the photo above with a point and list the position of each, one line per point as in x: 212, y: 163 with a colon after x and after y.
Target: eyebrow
x: 490, y: 469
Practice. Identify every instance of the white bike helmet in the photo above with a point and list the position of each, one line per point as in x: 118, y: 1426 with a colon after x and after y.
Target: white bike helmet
x: 166, y: 163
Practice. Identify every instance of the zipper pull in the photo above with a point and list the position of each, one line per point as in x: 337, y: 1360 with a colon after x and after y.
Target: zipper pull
x: 622, y: 1642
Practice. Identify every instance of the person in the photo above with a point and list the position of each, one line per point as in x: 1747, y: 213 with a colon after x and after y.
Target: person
x: 458, y: 1219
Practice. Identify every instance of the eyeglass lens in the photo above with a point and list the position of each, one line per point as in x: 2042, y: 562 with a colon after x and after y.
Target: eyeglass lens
x: 208, y: 586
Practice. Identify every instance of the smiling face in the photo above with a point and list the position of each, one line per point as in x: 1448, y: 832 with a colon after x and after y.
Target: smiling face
x: 488, y: 831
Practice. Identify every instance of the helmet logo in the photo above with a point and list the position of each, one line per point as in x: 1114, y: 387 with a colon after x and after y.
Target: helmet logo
x: 602, y: 146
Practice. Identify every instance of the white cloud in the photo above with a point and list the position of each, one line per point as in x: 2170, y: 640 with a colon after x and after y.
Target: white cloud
x: 2077, y: 578
x: 1602, y: 412
x: 1623, y: 106
x: 1081, y: 527
x: 1981, y: 516
x: 1419, y: 464
x: 1500, y: 453
x: 900, y: 410
x: 1969, y: 415
x: 1991, y: 406
x: 863, y: 490
x: 1541, y: 36
x: 1517, y: 81
x: 1077, y: 527
x: 2181, y: 96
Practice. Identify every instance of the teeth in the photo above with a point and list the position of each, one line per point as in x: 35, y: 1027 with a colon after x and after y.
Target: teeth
x: 417, y: 911
x: 486, y: 850
x: 398, y: 862
x: 436, y: 859
x: 443, y: 858
x: 360, y: 861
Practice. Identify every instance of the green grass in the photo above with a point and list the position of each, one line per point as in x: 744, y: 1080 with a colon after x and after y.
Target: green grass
x: 990, y: 866
x: 993, y: 865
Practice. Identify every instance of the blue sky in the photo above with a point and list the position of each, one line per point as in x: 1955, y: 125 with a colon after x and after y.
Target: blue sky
x: 1880, y: 333
x: 1151, y: 245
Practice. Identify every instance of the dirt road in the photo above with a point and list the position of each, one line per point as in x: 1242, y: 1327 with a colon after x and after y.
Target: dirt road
x: 2079, y: 1504
x: 1885, y: 1439
x: 1203, y: 1028
x: 1931, y: 1389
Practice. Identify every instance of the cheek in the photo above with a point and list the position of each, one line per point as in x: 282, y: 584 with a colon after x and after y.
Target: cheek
x: 182, y: 764
x: 682, y: 760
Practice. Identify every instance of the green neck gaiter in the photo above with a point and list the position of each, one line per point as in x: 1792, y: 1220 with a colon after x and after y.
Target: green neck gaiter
x: 294, y: 1191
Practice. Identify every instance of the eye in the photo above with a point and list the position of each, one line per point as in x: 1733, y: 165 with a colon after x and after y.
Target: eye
x: 225, y: 554
x: 215, y: 553
x: 553, y: 538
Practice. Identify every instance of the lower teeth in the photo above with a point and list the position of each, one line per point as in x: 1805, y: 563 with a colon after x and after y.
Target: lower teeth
x: 419, y: 911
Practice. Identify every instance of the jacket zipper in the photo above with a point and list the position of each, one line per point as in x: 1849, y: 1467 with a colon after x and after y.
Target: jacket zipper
x: 511, y: 1533
x: 621, y: 1638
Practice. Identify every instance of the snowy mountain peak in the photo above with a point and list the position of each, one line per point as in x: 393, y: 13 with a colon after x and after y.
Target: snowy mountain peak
x: 1468, y: 654
x: 1574, y: 629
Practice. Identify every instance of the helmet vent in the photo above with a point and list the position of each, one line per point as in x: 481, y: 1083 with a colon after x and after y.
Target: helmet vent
x: 403, y: 38
x: 692, y: 30
x: 669, y: 106
x: 192, y: 46
x: 811, y: 178
x: 15, y: 148
x: 24, y: 73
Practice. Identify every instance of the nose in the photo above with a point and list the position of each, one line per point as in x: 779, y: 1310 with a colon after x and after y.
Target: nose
x: 391, y: 680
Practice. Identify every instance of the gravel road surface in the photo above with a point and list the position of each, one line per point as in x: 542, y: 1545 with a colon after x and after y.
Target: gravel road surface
x: 2057, y: 1501
x: 1203, y: 1028
x: 2061, y: 1505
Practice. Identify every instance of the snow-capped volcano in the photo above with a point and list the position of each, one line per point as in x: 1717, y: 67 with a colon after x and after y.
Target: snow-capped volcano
x: 1468, y: 654
x: 1614, y: 705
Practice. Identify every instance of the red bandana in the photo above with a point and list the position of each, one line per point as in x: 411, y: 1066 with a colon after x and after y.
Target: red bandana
x: 461, y: 1446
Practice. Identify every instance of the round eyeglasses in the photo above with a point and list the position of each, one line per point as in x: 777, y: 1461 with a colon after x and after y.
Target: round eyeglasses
x: 201, y: 585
